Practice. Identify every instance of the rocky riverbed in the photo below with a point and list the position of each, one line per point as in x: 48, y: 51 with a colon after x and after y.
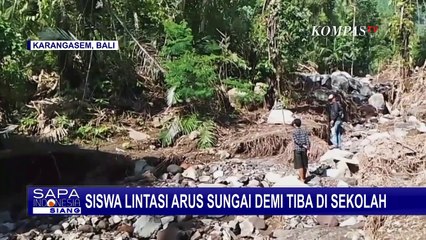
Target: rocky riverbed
x: 232, y: 172
x: 337, y: 168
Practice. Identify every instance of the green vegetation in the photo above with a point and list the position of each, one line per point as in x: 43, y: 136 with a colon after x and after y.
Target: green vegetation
x: 185, y: 55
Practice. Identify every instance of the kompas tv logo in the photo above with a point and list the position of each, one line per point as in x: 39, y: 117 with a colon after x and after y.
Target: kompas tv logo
x: 338, y: 31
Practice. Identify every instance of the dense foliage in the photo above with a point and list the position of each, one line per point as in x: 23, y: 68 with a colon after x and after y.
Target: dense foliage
x: 190, y: 53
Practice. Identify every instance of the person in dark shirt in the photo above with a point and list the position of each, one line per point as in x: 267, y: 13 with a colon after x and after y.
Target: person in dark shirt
x: 302, y: 146
x: 336, y: 119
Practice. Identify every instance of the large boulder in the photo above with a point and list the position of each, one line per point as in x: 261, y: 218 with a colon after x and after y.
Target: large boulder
x: 340, y: 81
x: 377, y: 100
x: 322, y: 94
x: 146, y: 226
x: 336, y: 155
x: 355, y: 84
x: 358, y: 98
x: 365, y: 90
x: 280, y: 117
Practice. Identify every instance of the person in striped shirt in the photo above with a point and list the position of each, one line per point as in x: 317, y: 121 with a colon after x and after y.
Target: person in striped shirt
x: 302, y: 146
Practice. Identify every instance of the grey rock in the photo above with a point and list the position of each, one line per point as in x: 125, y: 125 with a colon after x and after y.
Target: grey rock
x: 365, y: 90
x: 233, y: 225
x: 349, y: 222
x: 207, y: 222
x: 215, y: 216
x: 174, y: 169
x: 191, y: 184
x: 279, y: 233
x: 73, y: 222
x: 177, y: 178
x: 253, y: 183
x: 166, y: 220
x: 342, y: 184
x: 258, y: 223
x: 330, y: 221
x: 340, y: 82
x: 213, y: 168
x: 65, y: 225
x: 138, y: 136
x: 183, y: 218
x: 310, y: 222
x: 101, y: 225
x: 272, y: 177
x: 205, y: 179
x: 81, y: 221
x: 164, y: 176
x: 247, y: 228
x: 191, y: 173
x: 94, y: 220
x: 96, y: 237
x: 55, y: 227
x: 237, y: 184
x: 321, y: 94
x: 43, y: 227
x: 317, y: 233
x: 209, y: 185
x: 215, y: 235
x: 244, y: 180
x: 232, y: 179
x: 283, y: 116
x: 218, y: 174
x: 294, y: 222
x: 395, y: 113
x: 196, y: 236
x: 85, y: 228
x: 140, y: 167
x: 335, y: 154
x: 377, y: 100
x: 227, y: 234
x: 146, y: 226
x: 115, y: 219
x: 264, y: 184
x: 223, y: 154
x: 354, y: 83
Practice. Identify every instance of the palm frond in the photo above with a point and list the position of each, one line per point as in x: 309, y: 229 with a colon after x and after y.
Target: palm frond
x: 208, y: 136
x: 168, y: 135
x: 189, y: 124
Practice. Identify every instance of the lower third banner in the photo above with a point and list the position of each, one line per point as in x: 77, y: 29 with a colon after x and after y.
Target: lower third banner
x: 225, y: 201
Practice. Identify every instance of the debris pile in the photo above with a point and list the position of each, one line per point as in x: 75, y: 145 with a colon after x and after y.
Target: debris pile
x: 357, y: 93
x: 271, y: 140
x: 394, y: 157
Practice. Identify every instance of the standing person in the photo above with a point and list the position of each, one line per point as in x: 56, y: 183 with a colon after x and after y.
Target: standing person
x: 336, y: 119
x: 302, y: 146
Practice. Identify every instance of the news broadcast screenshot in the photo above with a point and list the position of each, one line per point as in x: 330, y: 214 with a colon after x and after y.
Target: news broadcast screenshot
x: 211, y: 120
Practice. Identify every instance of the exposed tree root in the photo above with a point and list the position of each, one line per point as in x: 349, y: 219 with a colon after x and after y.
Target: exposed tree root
x: 403, y: 166
x: 318, y: 148
x: 264, y: 144
x: 272, y: 140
